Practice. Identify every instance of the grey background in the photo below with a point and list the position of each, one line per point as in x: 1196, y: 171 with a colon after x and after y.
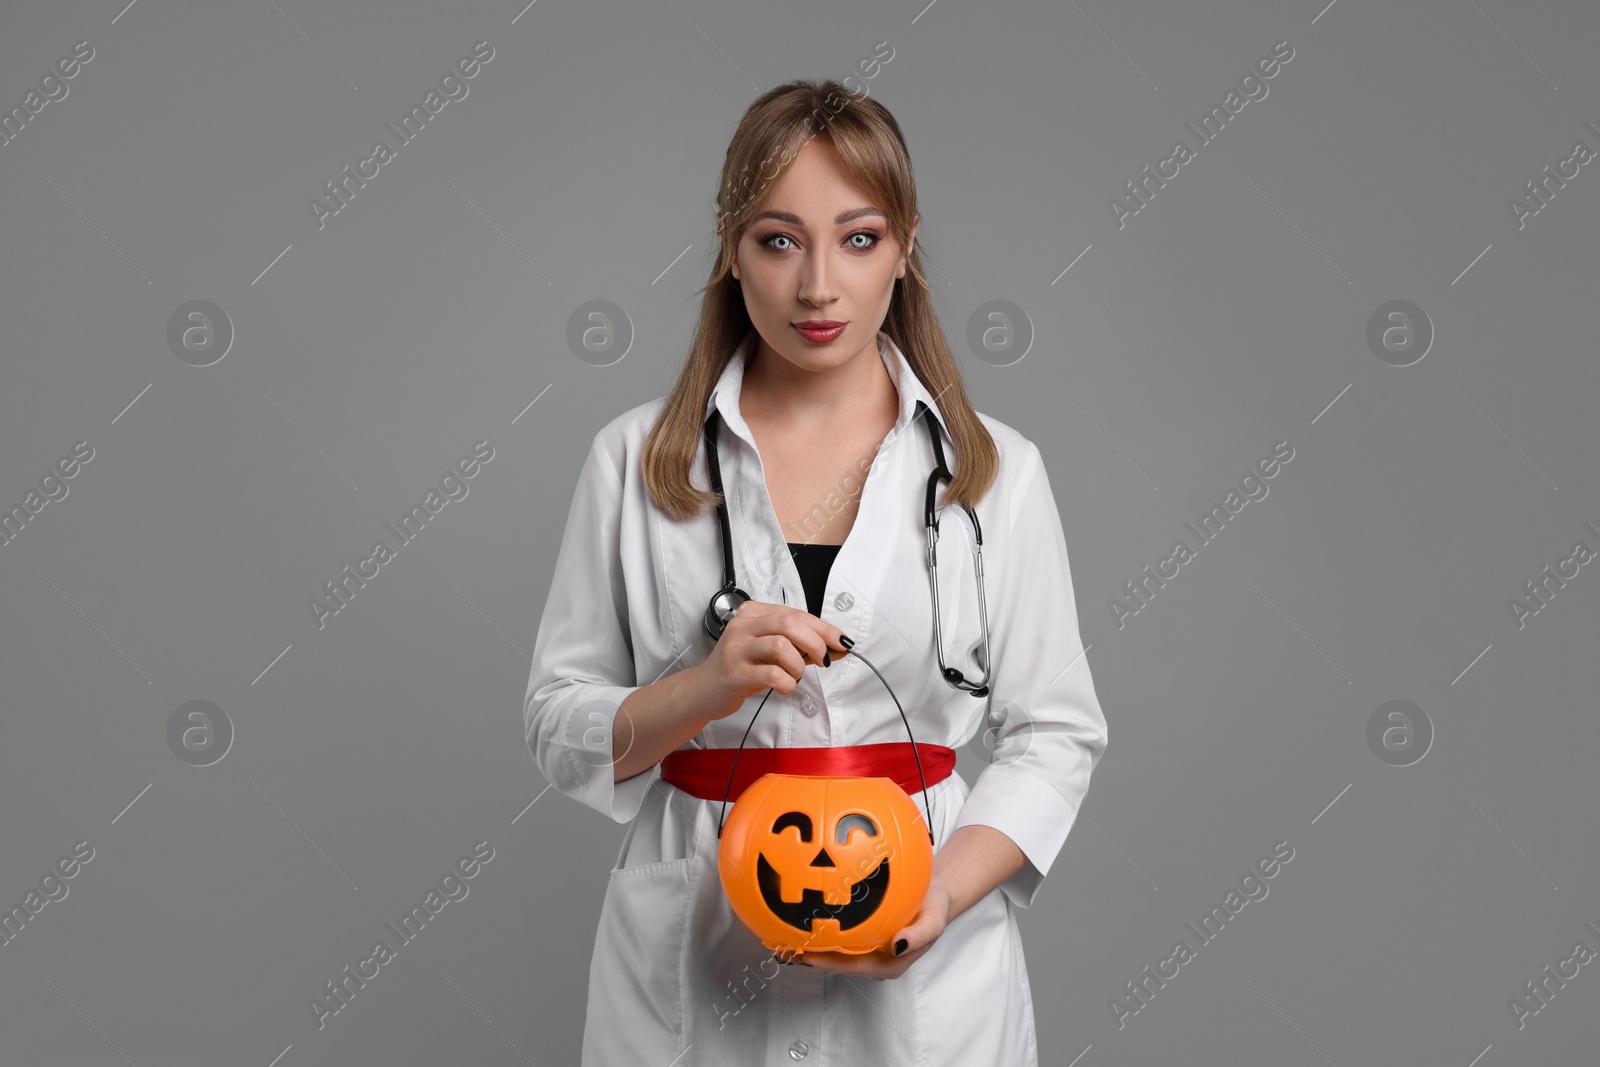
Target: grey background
x: 1228, y: 315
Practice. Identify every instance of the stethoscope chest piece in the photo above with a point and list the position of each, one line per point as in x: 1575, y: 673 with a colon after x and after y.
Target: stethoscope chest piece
x: 724, y: 605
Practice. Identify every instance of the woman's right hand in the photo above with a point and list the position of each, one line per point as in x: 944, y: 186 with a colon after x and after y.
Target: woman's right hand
x: 764, y: 646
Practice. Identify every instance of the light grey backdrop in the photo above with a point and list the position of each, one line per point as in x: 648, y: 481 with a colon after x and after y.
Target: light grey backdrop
x: 1437, y: 468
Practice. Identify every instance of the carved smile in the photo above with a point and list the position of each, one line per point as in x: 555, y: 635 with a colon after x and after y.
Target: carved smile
x: 865, y: 897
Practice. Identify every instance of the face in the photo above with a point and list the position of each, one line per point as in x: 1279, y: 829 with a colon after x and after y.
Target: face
x: 824, y: 858
x: 818, y: 252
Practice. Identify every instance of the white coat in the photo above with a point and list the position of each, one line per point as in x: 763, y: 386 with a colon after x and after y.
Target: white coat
x: 675, y: 977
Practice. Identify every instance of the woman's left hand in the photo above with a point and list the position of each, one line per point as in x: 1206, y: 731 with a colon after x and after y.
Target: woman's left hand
x: 919, y: 937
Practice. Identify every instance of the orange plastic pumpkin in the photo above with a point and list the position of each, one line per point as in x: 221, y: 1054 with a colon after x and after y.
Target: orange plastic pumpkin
x: 817, y: 862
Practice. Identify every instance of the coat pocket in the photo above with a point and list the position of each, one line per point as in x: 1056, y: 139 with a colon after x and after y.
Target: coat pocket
x: 636, y: 1007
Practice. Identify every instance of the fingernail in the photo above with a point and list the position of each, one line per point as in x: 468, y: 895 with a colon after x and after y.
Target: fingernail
x: 846, y: 642
x: 825, y: 658
x: 900, y: 946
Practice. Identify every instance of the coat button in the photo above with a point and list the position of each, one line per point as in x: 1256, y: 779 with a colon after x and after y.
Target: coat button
x: 809, y: 707
x: 844, y: 601
x: 798, y: 1050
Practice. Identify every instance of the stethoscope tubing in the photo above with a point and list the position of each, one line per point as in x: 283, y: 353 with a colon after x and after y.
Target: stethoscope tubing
x: 725, y: 603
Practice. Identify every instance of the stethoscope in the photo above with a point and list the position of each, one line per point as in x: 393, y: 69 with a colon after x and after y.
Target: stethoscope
x: 727, y: 600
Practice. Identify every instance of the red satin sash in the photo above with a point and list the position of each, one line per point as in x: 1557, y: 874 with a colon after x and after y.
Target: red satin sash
x: 703, y: 772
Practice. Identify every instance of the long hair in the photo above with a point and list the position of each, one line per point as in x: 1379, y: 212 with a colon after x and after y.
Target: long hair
x: 869, y: 141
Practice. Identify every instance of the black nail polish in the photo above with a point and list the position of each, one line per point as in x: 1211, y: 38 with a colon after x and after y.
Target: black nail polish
x: 846, y: 642
x: 900, y: 946
x: 825, y: 659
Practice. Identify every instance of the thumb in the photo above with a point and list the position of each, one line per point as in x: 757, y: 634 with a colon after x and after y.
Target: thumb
x: 922, y: 931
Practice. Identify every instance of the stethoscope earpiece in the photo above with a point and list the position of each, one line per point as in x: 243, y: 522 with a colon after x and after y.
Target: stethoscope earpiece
x: 959, y: 681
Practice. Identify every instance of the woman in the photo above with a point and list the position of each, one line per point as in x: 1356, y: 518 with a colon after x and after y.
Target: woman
x: 824, y: 365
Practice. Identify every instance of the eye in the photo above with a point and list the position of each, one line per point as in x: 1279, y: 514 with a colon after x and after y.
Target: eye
x: 850, y: 822
x: 873, y: 237
x: 798, y: 819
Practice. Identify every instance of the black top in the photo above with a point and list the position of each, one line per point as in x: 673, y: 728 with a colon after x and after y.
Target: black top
x: 814, y: 561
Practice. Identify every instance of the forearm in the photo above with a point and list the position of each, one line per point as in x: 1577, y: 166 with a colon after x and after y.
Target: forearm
x: 654, y: 720
x: 975, y: 860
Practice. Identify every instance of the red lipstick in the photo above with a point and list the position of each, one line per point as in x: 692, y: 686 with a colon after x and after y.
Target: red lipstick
x: 820, y: 331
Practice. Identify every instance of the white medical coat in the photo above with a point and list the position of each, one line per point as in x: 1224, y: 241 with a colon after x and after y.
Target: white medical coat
x: 675, y: 977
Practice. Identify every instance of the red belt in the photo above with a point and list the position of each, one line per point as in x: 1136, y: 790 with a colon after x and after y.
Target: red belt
x: 703, y: 772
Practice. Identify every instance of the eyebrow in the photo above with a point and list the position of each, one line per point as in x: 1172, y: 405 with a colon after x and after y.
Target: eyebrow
x: 838, y: 220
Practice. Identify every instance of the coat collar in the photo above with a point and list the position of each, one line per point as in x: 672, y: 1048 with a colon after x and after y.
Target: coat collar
x: 725, y: 394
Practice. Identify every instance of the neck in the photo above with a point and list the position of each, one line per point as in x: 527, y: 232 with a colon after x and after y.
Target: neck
x: 776, y: 391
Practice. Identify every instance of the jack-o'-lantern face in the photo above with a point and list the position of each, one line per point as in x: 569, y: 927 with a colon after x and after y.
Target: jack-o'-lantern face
x: 821, y: 862
x: 865, y: 895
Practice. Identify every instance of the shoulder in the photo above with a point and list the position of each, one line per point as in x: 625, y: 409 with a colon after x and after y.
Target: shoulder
x: 621, y: 441
x: 1019, y: 456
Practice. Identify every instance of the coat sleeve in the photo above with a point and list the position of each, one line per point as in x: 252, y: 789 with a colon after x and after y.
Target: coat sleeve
x: 583, y: 666
x: 1048, y: 725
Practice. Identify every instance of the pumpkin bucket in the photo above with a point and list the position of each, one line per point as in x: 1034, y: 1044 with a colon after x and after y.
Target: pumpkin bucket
x: 821, y: 862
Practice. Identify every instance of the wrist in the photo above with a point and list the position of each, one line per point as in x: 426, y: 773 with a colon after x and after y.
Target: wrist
x: 693, y: 698
x: 939, y: 895
x: 703, y: 698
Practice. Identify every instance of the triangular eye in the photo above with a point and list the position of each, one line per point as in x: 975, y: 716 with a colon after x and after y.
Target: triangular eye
x: 798, y: 819
x: 853, y: 820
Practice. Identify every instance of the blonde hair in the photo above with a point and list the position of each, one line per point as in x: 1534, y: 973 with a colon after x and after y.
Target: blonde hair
x: 869, y: 141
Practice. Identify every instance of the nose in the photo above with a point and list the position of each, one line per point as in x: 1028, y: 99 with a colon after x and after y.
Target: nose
x: 816, y: 286
x: 822, y: 859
